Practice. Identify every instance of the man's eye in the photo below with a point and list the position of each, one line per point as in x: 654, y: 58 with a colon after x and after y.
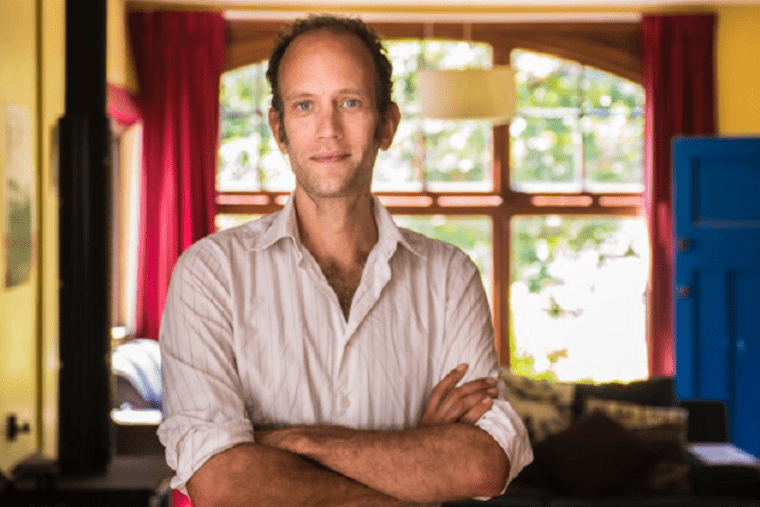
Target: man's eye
x: 351, y: 103
x: 303, y: 106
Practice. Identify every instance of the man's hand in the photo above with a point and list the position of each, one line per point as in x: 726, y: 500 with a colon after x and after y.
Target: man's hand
x: 466, y: 403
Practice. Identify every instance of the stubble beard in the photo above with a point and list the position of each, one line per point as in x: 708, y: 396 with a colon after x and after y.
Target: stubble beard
x: 353, y: 185
x: 355, y: 182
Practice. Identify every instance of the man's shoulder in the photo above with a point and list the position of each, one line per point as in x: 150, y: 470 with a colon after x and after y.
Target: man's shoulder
x: 244, y: 236
x: 229, y: 243
x: 432, y: 249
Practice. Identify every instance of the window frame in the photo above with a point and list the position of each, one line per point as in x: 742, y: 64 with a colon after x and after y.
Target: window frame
x: 611, y: 47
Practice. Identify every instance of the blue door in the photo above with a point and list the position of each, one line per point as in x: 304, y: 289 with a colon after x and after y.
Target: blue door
x: 716, y: 202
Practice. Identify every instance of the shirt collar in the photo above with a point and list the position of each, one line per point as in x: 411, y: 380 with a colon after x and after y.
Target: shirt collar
x: 283, y: 224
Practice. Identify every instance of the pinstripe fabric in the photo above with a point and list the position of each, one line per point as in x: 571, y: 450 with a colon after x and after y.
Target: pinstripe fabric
x: 253, y: 336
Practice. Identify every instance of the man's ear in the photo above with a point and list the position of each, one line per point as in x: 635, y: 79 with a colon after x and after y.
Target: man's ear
x: 278, y: 128
x: 388, y: 129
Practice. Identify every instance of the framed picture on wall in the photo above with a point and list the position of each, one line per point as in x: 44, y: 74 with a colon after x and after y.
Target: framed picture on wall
x: 19, y: 193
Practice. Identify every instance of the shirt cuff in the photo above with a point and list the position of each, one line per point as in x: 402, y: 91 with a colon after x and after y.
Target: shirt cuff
x: 506, y: 427
x: 187, y: 451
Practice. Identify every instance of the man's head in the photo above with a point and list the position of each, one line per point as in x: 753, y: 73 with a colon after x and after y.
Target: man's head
x: 325, y: 115
x: 383, y: 67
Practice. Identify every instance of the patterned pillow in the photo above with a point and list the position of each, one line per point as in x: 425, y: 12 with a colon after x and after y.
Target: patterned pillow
x: 545, y: 407
x: 663, y: 430
x: 596, y: 456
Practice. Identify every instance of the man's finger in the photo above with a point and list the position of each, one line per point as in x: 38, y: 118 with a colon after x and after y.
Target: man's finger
x: 453, y: 409
x: 482, y: 385
x: 445, y: 385
x: 477, y: 411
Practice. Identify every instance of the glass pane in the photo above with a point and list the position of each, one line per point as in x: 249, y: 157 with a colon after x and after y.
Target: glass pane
x: 239, y: 153
x: 602, y: 89
x: 228, y: 221
x: 545, y: 140
x: 545, y: 152
x: 613, y: 132
x: 577, y: 297
x: 545, y: 81
x: 442, y: 155
x: 248, y: 156
x: 459, y: 155
x: 470, y: 233
x: 577, y: 128
x: 400, y: 166
x: 613, y: 149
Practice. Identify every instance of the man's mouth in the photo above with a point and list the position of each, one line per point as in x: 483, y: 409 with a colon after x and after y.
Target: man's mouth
x: 327, y: 158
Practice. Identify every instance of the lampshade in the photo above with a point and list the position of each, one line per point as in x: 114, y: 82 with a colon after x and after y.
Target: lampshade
x: 469, y: 94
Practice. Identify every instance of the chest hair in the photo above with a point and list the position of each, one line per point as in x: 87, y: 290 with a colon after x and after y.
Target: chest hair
x: 344, y: 282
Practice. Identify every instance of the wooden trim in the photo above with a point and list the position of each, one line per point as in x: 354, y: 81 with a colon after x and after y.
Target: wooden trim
x: 612, y: 47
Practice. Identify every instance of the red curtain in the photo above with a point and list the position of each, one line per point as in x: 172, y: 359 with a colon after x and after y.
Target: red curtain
x: 121, y: 106
x: 179, y: 58
x: 678, y: 59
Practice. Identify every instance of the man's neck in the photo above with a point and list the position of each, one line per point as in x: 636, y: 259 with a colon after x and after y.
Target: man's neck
x: 337, y: 230
x: 340, y: 234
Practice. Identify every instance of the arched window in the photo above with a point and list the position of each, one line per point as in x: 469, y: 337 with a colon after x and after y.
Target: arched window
x: 547, y: 207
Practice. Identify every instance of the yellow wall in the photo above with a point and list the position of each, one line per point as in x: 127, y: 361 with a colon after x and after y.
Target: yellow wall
x: 18, y: 308
x: 120, y: 70
x: 738, y: 70
x: 31, y: 76
x: 52, y: 108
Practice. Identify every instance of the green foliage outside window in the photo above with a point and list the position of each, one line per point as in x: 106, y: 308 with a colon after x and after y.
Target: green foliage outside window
x: 577, y: 128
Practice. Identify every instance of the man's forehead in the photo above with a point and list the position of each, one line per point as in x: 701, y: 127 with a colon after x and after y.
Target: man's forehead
x: 328, y: 36
x: 334, y: 48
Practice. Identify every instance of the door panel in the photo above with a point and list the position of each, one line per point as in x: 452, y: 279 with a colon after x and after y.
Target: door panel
x: 710, y: 339
x: 716, y: 205
x: 745, y: 425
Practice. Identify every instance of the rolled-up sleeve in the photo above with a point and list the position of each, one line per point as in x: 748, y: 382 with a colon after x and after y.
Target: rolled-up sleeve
x: 204, y: 413
x: 470, y: 339
x: 506, y: 427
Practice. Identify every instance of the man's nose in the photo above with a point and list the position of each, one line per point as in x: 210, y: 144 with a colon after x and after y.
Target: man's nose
x: 330, y: 123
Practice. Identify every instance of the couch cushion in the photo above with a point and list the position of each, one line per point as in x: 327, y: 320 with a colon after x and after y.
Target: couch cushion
x: 545, y: 407
x: 656, y: 391
x: 595, y: 456
x: 663, y: 431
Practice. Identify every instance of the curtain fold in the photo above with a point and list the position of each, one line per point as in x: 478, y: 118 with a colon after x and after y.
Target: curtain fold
x: 179, y: 57
x: 678, y: 61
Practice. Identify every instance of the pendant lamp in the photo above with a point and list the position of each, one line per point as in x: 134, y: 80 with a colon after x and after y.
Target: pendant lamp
x: 468, y: 94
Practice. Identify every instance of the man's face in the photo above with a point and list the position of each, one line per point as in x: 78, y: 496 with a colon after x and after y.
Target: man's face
x: 330, y: 117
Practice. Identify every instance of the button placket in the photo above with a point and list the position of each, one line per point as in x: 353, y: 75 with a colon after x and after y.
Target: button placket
x: 345, y: 399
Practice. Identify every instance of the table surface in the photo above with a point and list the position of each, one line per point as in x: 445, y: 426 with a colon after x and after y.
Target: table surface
x: 723, y: 454
x: 134, y: 473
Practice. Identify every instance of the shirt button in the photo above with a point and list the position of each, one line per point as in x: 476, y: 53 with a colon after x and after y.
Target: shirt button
x: 346, y: 402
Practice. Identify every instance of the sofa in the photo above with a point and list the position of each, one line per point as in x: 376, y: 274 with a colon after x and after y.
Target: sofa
x: 620, y: 445
x: 595, y: 445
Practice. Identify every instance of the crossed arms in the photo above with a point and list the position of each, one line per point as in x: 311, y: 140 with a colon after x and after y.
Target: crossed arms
x: 445, y: 458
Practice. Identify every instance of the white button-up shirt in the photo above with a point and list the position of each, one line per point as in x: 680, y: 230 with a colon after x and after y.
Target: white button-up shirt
x: 253, y: 336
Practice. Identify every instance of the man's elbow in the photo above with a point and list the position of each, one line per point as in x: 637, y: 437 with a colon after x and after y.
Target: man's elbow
x: 217, y: 482
x: 493, y: 474
x: 207, y: 495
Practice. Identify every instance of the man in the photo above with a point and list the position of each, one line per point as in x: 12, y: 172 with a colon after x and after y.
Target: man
x: 311, y: 357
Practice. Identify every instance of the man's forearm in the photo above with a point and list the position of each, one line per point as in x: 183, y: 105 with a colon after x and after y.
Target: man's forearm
x: 253, y: 474
x: 424, y: 465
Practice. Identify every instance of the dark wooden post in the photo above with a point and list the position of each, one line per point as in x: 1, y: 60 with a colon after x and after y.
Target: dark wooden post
x: 84, y: 424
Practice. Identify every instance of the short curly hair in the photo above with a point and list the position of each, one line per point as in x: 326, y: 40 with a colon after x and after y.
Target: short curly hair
x: 383, y: 67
